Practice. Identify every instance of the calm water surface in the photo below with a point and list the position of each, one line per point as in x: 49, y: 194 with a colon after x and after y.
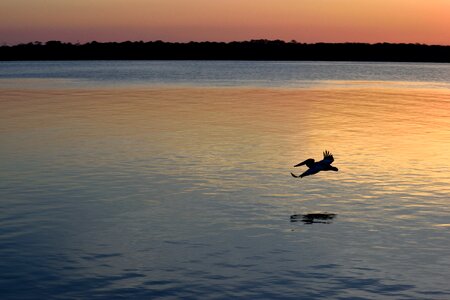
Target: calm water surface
x: 171, y: 180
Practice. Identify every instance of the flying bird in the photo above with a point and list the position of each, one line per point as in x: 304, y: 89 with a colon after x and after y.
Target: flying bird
x: 315, y: 167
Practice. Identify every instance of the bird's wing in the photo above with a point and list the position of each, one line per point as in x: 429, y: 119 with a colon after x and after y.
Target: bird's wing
x: 327, y: 157
x: 309, y: 163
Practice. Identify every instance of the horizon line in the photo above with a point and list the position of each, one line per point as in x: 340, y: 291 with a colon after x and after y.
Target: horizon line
x: 293, y: 41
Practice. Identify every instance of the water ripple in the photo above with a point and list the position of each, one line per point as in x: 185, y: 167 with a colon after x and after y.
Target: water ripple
x: 185, y: 192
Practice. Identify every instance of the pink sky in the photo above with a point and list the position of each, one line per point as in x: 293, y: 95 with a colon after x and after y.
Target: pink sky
x: 398, y: 21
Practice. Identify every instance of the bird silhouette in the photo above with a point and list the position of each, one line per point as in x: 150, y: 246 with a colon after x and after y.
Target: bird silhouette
x: 315, y: 167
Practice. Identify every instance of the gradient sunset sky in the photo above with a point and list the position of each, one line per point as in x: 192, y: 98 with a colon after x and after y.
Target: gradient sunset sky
x: 398, y: 21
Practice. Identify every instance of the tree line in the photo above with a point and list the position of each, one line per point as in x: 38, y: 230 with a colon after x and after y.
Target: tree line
x: 242, y: 50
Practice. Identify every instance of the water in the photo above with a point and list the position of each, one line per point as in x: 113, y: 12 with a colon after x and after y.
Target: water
x: 171, y: 180
x: 220, y: 74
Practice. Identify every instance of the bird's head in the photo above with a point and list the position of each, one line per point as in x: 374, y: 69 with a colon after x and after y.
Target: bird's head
x: 334, y: 169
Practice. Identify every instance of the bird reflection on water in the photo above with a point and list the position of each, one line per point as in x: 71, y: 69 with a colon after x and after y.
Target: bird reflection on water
x: 324, y: 218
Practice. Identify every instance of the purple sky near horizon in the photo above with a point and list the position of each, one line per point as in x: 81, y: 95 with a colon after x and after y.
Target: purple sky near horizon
x: 396, y: 21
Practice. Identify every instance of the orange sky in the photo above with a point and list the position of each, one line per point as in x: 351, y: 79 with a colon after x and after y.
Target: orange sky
x: 411, y: 21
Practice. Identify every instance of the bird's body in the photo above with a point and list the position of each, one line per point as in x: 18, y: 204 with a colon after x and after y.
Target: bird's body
x: 315, y: 167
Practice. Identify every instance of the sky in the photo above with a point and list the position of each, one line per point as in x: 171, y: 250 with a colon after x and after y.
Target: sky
x: 309, y: 21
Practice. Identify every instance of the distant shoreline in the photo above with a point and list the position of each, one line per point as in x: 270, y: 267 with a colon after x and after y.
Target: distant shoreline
x: 254, y: 50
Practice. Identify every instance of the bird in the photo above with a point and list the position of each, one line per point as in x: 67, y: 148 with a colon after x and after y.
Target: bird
x: 315, y: 167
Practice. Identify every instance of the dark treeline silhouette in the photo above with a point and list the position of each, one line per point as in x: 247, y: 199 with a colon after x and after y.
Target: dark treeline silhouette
x: 245, y: 50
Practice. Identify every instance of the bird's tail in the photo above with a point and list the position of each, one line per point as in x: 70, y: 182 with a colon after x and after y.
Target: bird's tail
x: 295, y: 176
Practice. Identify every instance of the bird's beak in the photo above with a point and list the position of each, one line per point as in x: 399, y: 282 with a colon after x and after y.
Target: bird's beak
x: 297, y: 165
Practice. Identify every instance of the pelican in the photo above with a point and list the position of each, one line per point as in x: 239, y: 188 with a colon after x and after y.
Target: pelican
x: 315, y: 167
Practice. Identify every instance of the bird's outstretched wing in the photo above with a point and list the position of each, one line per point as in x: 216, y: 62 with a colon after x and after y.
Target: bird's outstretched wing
x: 327, y: 157
x: 309, y: 163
